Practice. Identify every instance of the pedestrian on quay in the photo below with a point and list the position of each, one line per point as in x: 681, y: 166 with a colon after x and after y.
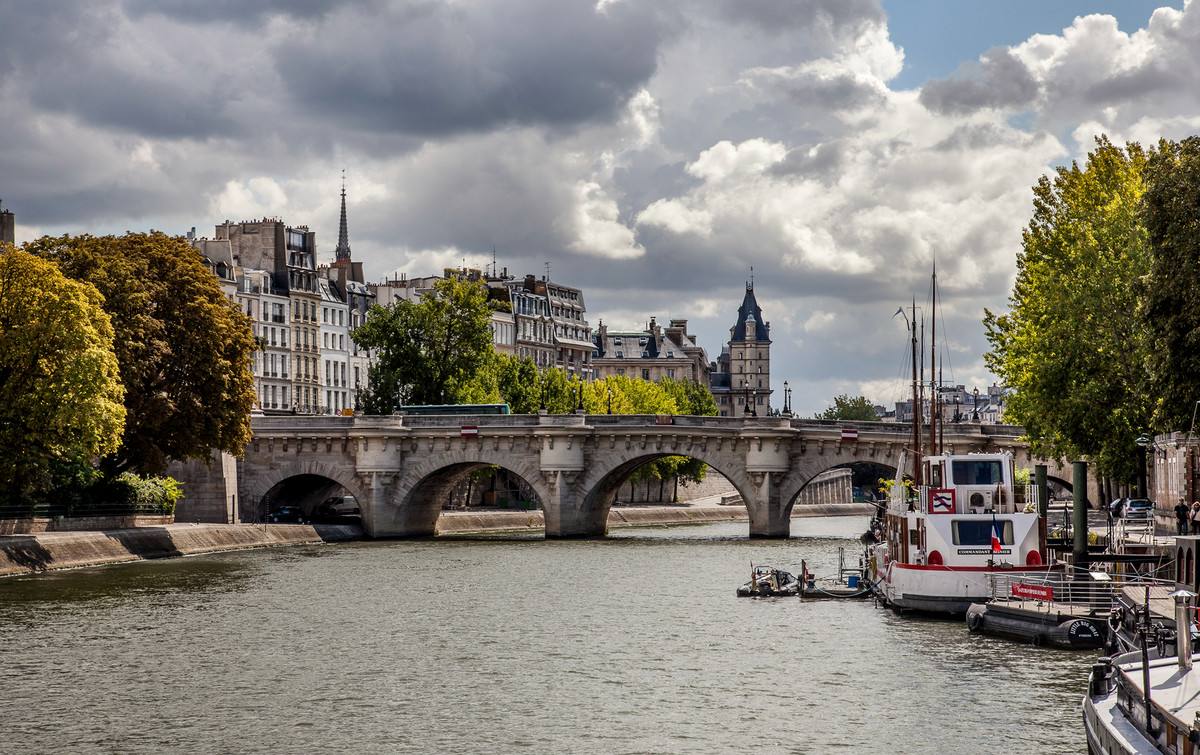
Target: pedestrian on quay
x: 1194, y: 518
x: 1181, y: 516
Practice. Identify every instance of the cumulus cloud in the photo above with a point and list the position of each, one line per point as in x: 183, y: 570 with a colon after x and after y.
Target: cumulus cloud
x: 651, y: 150
x: 999, y: 80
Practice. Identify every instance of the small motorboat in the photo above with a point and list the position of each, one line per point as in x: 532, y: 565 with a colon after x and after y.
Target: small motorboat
x: 768, y: 582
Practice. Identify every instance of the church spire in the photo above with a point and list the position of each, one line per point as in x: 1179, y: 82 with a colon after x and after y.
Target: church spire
x: 343, y: 246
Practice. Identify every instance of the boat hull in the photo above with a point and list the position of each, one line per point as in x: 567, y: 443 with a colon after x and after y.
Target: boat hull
x: 941, y: 590
x: 1109, y: 731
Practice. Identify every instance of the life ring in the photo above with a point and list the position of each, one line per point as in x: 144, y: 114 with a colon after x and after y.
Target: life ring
x: 1116, y: 618
x: 974, y: 622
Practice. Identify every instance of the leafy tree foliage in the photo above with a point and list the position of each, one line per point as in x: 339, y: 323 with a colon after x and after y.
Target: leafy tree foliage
x: 690, y: 397
x: 1171, y: 212
x: 428, y: 351
x: 60, y: 389
x: 1071, y: 344
x: 184, y: 351
x: 847, y: 407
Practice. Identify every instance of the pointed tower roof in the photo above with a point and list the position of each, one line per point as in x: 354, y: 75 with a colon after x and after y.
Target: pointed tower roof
x: 343, y: 246
x: 750, y: 315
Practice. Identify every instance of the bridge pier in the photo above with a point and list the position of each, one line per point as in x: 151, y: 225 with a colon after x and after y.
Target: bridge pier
x: 769, y: 514
x: 570, y: 514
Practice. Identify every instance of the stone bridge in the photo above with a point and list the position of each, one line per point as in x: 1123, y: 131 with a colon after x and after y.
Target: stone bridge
x: 401, y: 468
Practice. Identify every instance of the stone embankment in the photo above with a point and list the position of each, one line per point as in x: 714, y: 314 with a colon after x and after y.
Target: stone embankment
x: 46, y: 551
x: 471, y: 522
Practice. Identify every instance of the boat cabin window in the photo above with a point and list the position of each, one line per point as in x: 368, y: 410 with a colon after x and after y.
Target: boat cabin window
x: 977, y: 472
x: 979, y: 532
x: 935, y: 476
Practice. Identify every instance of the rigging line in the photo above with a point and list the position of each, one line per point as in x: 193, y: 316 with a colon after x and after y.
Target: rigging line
x: 945, y: 345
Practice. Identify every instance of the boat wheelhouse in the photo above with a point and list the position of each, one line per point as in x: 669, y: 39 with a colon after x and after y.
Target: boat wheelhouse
x: 942, y: 542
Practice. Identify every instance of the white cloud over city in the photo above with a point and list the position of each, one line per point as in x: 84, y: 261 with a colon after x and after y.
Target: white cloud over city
x: 650, y: 151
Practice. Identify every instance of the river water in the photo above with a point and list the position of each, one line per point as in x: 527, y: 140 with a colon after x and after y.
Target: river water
x: 635, y: 644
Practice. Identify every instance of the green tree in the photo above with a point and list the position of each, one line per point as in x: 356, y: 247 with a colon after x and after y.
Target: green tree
x: 60, y: 388
x: 1071, y: 344
x: 690, y: 397
x: 1171, y: 212
x: 517, y: 381
x: 184, y: 351
x: 428, y: 351
x: 847, y: 407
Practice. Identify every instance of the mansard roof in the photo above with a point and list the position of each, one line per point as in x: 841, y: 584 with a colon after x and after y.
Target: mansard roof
x: 750, y: 309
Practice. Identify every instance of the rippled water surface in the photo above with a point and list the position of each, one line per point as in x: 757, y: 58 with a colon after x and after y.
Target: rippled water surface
x: 631, y: 645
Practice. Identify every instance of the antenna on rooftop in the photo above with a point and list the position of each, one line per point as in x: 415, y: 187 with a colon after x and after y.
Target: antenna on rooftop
x: 547, y: 270
x: 750, y: 283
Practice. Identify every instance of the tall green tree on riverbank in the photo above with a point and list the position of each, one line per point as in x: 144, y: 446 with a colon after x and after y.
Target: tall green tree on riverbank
x: 1072, y: 345
x: 848, y: 407
x: 1172, y: 291
x: 427, y: 351
x: 184, y: 351
x: 60, y: 387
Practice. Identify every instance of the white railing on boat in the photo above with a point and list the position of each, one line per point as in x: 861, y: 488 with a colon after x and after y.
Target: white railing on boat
x: 1079, y: 587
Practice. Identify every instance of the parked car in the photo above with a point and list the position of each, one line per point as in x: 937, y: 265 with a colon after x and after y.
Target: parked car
x: 1139, y: 509
x: 338, y: 510
x: 286, y: 515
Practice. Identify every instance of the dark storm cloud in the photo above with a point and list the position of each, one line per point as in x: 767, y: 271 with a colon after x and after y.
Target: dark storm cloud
x: 437, y: 69
x: 821, y: 161
x: 779, y: 16
x: 998, y: 80
x: 230, y: 10
x: 86, y: 60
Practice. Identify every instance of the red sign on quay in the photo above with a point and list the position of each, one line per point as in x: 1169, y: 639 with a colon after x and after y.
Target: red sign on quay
x: 1032, y: 592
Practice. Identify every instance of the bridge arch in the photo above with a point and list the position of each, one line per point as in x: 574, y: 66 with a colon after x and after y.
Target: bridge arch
x: 600, y: 483
x: 809, y: 466
x: 865, y: 470
x: 256, y: 500
x: 416, y: 501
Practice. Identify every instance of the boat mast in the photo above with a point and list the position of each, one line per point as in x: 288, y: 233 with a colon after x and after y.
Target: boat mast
x: 916, y: 418
x: 934, y: 415
x: 941, y: 419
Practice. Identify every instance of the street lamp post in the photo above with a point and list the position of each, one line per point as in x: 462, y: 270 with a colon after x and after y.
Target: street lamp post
x: 975, y: 413
x: 1143, y: 442
x: 787, y: 400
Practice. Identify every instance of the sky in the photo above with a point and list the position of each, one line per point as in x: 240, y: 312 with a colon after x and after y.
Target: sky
x: 651, y: 151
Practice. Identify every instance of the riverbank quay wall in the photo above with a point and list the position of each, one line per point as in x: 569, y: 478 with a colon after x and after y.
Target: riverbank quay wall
x: 401, y: 468
x: 471, y: 522
x: 50, y: 551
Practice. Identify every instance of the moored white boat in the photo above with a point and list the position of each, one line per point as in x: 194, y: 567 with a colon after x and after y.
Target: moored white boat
x: 943, y: 543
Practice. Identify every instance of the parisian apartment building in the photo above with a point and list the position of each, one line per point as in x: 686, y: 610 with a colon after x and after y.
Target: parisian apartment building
x: 302, y: 312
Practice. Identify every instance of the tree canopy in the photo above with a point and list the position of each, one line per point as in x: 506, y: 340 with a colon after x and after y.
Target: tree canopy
x: 60, y: 388
x: 1072, y: 345
x: 848, y: 407
x: 1171, y: 211
x: 183, y: 350
x: 428, y: 351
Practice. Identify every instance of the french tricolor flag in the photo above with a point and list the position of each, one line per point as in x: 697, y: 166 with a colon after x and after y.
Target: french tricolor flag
x: 996, y: 536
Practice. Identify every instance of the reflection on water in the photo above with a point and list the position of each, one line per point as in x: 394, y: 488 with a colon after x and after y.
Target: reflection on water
x: 635, y: 644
